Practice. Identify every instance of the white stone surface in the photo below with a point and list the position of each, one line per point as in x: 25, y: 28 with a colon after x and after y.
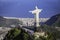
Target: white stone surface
x: 36, y: 15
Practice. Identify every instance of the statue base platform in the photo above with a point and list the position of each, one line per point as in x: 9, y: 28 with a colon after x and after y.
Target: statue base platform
x: 39, y: 32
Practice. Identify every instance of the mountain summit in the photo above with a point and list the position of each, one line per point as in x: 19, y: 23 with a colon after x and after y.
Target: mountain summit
x: 54, y: 20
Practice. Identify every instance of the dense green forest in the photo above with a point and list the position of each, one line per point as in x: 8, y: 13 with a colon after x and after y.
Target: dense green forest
x: 19, y: 34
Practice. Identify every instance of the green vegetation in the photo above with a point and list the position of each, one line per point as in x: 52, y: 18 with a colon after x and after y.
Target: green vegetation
x: 57, y: 24
x: 53, y: 34
x: 17, y: 34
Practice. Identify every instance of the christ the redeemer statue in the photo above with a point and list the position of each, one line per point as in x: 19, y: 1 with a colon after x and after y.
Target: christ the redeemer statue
x: 36, y: 15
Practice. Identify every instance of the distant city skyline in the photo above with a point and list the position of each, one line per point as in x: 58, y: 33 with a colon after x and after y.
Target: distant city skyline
x: 20, y: 8
x: 28, y: 21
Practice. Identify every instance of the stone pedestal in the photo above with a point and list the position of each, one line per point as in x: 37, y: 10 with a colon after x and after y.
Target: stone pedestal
x: 38, y: 34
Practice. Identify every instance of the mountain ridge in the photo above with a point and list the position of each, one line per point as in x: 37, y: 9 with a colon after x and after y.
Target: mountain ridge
x: 53, y: 19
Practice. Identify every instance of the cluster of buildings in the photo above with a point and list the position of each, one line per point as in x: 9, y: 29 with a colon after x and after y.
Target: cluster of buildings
x: 31, y: 21
x: 28, y: 21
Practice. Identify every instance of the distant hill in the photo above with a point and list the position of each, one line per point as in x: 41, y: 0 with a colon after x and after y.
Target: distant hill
x: 9, y: 22
x: 2, y: 21
x: 57, y: 23
x: 54, y: 20
x: 13, y: 22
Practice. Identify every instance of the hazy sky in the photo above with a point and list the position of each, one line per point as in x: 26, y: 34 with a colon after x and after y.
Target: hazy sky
x: 21, y: 8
